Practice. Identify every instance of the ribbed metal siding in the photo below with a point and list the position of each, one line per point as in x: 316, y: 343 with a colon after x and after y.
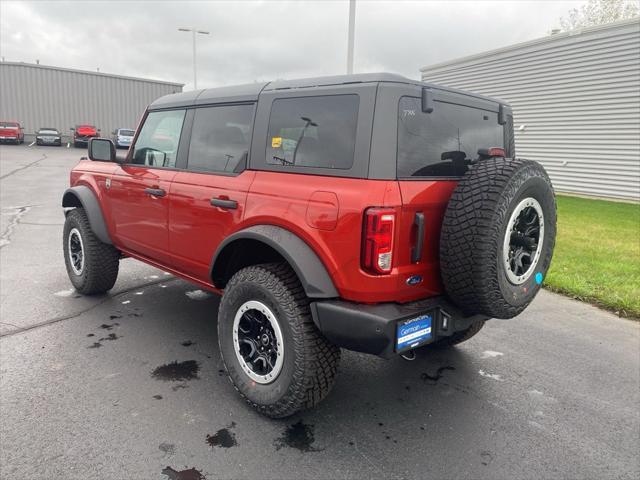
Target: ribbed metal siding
x: 39, y: 96
x: 578, y: 95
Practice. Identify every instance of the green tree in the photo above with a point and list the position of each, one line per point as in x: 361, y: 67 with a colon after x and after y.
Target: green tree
x: 598, y: 12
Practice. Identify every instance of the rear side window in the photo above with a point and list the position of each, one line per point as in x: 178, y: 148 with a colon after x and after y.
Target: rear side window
x: 220, y: 138
x: 313, y: 131
x: 444, y: 142
x: 157, y: 143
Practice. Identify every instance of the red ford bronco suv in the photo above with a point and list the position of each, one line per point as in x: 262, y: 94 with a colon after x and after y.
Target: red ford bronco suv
x: 367, y: 212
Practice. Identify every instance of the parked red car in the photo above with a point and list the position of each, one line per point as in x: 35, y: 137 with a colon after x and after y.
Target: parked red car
x: 82, y: 134
x: 11, y: 132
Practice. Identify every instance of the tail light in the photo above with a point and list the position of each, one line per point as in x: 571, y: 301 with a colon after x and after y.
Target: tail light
x: 377, y: 240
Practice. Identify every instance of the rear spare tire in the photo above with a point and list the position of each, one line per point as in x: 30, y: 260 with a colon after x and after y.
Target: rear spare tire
x: 497, y: 237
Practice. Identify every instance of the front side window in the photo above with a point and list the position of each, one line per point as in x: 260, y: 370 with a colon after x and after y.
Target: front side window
x: 157, y: 144
x: 220, y: 138
x: 313, y: 131
x: 443, y: 143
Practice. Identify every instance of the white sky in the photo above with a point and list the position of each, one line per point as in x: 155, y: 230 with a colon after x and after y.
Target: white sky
x: 265, y: 40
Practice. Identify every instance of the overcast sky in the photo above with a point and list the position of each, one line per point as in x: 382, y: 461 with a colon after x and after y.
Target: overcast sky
x: 264, y: 40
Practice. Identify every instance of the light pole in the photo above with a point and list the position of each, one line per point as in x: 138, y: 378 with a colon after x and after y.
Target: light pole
x: 352, y: 27
x: 194, y: 31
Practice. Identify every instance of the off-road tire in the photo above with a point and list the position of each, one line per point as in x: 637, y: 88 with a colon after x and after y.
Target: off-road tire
x: 310, y: 361
x: 101, y: 260
x: 473, y: 231
x: 459, y: 337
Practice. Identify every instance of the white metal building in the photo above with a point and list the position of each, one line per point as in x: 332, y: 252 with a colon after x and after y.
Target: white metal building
x: 576, y: 102
x: 42, y: 96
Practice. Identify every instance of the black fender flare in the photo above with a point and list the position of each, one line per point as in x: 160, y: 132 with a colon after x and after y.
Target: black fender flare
x: 310, y: 270
x: 83, y: 196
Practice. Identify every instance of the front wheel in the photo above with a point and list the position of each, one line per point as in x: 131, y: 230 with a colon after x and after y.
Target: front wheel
x: 273, y: 353
x: 92, y: 265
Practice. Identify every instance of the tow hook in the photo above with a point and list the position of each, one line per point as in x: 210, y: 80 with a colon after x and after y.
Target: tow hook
x: 410, y: 356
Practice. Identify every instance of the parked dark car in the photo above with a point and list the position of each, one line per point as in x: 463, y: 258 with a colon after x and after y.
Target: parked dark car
x: 48, y: 136
x: 11, y: 132
x: 122, y: 137
x: 82, y: 134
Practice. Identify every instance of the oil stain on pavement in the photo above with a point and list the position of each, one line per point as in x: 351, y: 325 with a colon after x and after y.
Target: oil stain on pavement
x: 223, y: 438
x: 177, y: 371
x: 433, y: 379
x: 190, y: 474
x: 299, y: 436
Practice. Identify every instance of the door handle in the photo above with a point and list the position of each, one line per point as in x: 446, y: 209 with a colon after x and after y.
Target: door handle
x: 224, y: 203
x: 156, y: 192
x: 416, y: 251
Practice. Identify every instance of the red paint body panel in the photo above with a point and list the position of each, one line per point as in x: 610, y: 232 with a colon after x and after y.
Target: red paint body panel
x: 431, y: 199
x: 181, y: 231
x: 140, y: 222
x: 196, y: 228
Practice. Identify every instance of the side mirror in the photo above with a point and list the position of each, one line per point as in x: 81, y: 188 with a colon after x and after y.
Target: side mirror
x: 99, y: 130
x: 102, y: 149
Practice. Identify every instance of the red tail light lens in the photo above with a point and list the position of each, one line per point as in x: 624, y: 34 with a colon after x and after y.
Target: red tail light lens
x: 497, y: 152
x: 377, y: 240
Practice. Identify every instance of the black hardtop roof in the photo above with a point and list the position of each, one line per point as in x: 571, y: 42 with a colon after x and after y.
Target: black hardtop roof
x: 251, y: 91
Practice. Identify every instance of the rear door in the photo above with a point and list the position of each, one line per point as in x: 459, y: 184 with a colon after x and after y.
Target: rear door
x: 209, y: 198
x: 139, y: 189
x: 434, y: 150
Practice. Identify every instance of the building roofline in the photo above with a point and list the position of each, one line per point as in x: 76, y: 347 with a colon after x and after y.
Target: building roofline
x: 529, y: 43
x: 89, y: 72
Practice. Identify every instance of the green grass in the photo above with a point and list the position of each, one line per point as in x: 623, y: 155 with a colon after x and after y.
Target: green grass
x: 597, y: 254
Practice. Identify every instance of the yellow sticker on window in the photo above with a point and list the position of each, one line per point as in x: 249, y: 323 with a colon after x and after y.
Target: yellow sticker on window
x: 276, y: 142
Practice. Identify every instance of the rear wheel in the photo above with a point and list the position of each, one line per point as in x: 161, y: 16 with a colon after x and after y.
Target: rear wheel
x: 92, y: 265
x: 273, y: 352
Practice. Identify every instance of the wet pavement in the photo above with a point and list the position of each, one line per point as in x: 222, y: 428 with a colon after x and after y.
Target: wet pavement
x: 130, y: 384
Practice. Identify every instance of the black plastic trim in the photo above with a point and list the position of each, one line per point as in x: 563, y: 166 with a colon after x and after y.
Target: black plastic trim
x: 308, y: 267
x: 91, y: 206
x: 372, y: 328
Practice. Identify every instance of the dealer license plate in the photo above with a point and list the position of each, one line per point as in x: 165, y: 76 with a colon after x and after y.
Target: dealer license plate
x: 413, y: 332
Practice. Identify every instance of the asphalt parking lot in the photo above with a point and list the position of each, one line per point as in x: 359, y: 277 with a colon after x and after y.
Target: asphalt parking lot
x: 129, y: 385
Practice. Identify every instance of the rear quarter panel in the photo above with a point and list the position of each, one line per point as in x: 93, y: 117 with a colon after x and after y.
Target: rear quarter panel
x: 284, y: 200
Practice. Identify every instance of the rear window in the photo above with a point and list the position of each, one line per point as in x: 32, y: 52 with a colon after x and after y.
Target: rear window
x: 313, y: 131
x: 126, y: 133
x: 444, y: 142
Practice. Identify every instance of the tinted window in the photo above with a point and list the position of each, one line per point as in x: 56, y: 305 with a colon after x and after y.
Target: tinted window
x: 445, y: 141
x: 126, y: 133
x: 220, y: 138
x: 157, y: 144
x: 313, y: 131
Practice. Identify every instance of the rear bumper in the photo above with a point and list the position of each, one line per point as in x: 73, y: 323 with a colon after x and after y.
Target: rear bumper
x: 372, y: 328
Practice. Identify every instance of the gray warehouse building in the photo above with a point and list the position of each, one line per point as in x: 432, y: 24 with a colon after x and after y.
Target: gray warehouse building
x: 43, y: 96
x: 576, y: 102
